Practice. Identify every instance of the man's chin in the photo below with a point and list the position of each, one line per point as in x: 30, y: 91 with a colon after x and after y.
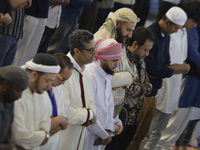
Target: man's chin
x: 40, y: 92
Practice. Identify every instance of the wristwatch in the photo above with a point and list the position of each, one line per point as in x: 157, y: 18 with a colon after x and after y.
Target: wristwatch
x: 47, y: 135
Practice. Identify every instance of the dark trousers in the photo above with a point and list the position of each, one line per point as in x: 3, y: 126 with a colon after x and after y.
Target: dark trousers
x: 185, y: 137
x: 46, y: 37
x: 141, y: 8
x: 122, y: 141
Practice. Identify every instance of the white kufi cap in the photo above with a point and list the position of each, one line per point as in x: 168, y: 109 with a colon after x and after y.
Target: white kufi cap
x: 177, y: 15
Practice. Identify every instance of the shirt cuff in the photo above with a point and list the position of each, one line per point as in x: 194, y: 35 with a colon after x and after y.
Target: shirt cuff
x: 91, y: 115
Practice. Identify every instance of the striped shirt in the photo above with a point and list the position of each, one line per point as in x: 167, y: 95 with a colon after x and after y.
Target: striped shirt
x: 15, y: 29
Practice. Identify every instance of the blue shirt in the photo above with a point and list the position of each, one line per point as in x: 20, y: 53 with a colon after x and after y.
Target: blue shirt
x: 191, y: 95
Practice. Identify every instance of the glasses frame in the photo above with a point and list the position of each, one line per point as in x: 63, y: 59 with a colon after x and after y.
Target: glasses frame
x: 61, y: 78
x: 91, y: 50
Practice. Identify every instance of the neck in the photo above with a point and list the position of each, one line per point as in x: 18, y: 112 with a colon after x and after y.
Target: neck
x: 31, y: 88
x: 78, y: 61
x: 161, y: 24
x: 50, y: 89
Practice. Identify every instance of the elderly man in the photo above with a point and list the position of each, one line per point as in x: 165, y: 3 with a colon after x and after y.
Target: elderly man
x: 119, y: 25
x: 78, y: 91
x: 106, y: 60
x: 158, y: 66
x: 53, y: 99
x: 31, y: 125
x: 13, y: 80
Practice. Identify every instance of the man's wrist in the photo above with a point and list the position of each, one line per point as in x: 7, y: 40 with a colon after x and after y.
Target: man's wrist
x: 47, y: 135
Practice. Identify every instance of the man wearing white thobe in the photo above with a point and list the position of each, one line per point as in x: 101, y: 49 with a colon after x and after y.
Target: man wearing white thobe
x: 106, y: 60
x: 78, y: 91
x: 31, y: 125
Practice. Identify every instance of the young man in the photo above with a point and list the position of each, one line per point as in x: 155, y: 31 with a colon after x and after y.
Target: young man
x: 158, y: 66
x: 31, y: 125
x: 78, y: 91
x: 13, y: 80
x: 106, y: 60
x: 168, y: 96
x: 53, y: 99
x: 138, y: 48
x: 119, y: 25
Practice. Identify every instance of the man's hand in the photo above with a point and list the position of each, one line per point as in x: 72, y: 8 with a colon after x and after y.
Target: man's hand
x: 107, y: 140
x: 64, y: 123
x: 180, y: 68
x: 118, y: 129
x: 55, y: 130
x: 5, y: 19
x: 98, y: 141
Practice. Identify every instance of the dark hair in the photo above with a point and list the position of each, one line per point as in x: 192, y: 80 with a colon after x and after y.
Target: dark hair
x: 165, y: 18
x: 141, y: 34
x: 44, y: 59
x: 192, y: 9
x: 63, y: 61
x: 78, y: 38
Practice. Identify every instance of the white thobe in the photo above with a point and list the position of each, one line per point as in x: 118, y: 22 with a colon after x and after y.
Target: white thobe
x: 30, y: 115
x: 104, y: 106
x: 72, y: 138
x: 168, y: 95
x: 54, y: 141
x: 53, y: 17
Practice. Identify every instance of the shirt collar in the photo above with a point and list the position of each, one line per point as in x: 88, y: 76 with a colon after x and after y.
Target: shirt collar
x: 75, y: 63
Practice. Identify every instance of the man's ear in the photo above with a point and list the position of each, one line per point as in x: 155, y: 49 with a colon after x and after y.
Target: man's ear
x: 33, y: 76
x: 134, y: 46
x: 76, y: 51
x: 118, y: 23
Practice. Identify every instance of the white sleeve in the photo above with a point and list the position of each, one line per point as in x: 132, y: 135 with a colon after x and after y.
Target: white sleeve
x: 24, y: 137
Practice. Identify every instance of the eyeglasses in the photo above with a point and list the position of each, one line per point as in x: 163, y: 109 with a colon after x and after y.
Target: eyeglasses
x: 91, y: 50
x: 61, y: 78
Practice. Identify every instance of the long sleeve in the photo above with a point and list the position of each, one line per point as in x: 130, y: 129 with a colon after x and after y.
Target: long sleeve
x: 193, y: 46
x: 120, y: 79
x: 76, y: 114
x: 123, y: 78
x: 23, y: 136
x: 154, y: 68
x: 74, y: 109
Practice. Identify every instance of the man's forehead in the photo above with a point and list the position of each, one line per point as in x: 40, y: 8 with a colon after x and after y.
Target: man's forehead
x: 128, y: 25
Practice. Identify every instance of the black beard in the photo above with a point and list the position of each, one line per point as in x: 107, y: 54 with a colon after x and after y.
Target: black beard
x: 107, y: 69
x: 7, y: 97
x: 120, y: 38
